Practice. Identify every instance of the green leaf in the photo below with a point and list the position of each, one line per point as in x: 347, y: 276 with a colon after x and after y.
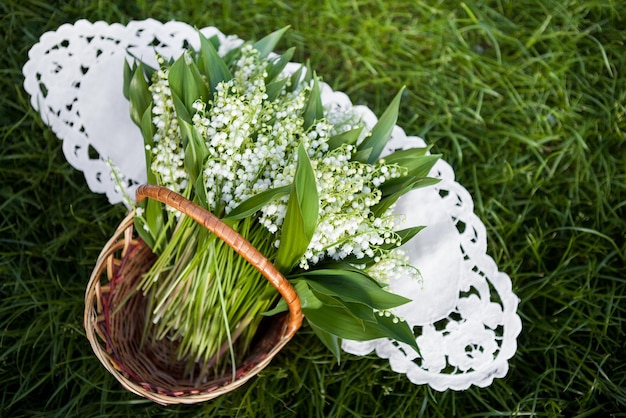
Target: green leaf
x: 307, y: 298
x: 361, y: 311
x: 152, y: 209
x: 146, y: 236
x: 231, y: 57
x: 345, y: 138
x: 308, y: 73
x: 406, y: 157
x: 196, y: 150
x: 181, y: 110
x: 211, y: 64
x: 128, y: 75
x: 301, y: 217
x: 274, y: 88
x: 139, y: 95
x: 278, y: 65
x: 417, y: 166
x: 202, y: 90
x: 399, y: 331
x: 153, y: 215
x: 314, y: 110
x: 407, y: 234
x: 176, y: 77
x: 380, y: 133
x: 296, y: 78
x: 266, y: 45
x: 200, y: 190
x: 341, y: 323
x: 329, y: 340
x: 352, y: 286
x: 147, y: 131
x: 256, y: 202
x: 362, y: 155
x: 280, y: 307
x: 187, y: 85
x: 358, y: 311
x: 391, y: 193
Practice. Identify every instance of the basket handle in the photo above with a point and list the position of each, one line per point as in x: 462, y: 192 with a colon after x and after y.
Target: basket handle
x: 234, y: 240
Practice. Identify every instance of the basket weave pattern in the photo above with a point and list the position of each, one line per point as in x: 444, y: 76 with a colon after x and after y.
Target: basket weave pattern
x: 115, y: 313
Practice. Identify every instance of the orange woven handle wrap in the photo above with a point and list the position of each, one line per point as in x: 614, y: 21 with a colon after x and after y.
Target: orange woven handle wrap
x: 234, y: 240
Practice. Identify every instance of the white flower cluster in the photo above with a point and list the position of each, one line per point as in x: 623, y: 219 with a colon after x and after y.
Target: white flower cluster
x: 397, y: 262
x: 121, y: 182
x: 167, y: 152
x: 252, y: 144
x: 251, y: 140
x: 348, y: 190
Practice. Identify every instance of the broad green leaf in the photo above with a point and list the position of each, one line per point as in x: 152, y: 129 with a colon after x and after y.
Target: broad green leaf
x: 381, y: 131
x: 301, y: 217
x: 399, y: 331
x: 314, y: 110
x: 418, y: 166
x: 305, y: 187
x: 139, y: 95
x: 352, y: 286
x: 200, y: 190
x: 266, y: 45
x: 147, y: 131
x: 153, y: 210
x: 187, y: 85
x: 407, y: 157
x: 392, y: 194
x: 423, y: 165
x: 341, y: 323
x: 146, y: 236
x: 362, y: 155
x: 360, y: 312
x: 345, y: 138
x: 155, y: 220
x: 407, y: 234
x: 274, y: 88
x: 214, y: 40
x: 211, y: 64
x: 296, y: 78
x: 256, y: 202
x: 280, y: 307
x: 231, y: 57
x: 278, y: 65
x: 308, y: 75
x: 329, y: 340
x: 128, y: 75
x: 398, y: 185
x: 307, y: 300
x: 153, y: 213
x: 176, y: 77
x: 181, y: 109
x: 202, y: 90
x: 196, y: 150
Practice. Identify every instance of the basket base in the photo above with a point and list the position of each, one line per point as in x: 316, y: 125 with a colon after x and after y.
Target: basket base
x: 153, y: 370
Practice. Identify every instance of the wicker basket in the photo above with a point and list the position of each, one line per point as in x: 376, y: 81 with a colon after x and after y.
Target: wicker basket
x: 154, y: 372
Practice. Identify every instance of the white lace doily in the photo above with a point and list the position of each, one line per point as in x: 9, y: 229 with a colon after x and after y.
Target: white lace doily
x: 464, y: 311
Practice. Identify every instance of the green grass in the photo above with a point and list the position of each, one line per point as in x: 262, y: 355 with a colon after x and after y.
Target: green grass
x: 526, y: 100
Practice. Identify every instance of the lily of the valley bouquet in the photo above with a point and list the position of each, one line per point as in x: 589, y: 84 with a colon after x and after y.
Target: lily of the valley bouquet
x: 305, y: 184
